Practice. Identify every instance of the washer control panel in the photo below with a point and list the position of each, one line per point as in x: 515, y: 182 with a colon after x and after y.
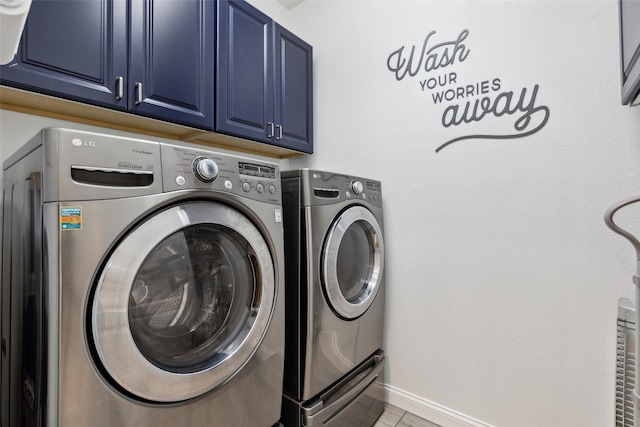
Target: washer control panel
x: 189, y: 167
x: 260, y: 178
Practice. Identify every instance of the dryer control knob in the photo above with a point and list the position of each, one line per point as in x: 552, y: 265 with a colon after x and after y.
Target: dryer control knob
x: 206, y: 170
x: 356, y: 187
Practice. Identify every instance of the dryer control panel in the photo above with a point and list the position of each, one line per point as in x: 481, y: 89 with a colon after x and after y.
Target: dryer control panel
x: 324, y: 188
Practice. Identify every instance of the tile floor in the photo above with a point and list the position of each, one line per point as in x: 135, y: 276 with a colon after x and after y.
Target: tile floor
x: 392, y: 416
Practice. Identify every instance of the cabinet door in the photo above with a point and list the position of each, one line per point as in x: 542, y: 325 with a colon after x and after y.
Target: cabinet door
x: 172, y: 59
x: 294, y: 91
x: 73, y: 49
x: 244, y: 83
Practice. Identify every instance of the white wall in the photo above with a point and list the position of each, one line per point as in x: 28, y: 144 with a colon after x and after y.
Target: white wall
x: 502, y: 277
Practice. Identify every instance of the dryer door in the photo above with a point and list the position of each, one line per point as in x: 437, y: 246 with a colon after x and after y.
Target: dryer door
x: 183, y: 302
x: 352, y: 262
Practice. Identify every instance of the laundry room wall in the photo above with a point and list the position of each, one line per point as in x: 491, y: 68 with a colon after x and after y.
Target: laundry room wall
x: 502, y: 277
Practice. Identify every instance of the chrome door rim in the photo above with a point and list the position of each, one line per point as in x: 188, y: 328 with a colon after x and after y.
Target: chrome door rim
x: 113, y: 340
x: 344, y: 307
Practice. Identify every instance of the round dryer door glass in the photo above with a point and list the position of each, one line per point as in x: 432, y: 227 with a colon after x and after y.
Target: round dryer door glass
x: 353, y: 259
x: 183, y: 302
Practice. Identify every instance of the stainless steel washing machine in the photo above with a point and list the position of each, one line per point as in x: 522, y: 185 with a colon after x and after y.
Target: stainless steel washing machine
x: 142, y: 285
x: 335, y: 298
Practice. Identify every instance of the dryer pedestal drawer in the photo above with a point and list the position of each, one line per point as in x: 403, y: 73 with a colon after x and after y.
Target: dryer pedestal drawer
x: 356, y: 400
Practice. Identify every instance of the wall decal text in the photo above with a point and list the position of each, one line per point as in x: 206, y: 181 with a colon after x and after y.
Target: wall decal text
x: 436, y: 56
x: 466, y: 104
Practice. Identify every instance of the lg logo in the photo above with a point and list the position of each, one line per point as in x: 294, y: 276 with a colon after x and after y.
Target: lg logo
x: 77, y: 142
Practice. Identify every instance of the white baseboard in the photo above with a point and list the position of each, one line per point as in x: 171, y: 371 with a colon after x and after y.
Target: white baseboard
x: 429, y: 410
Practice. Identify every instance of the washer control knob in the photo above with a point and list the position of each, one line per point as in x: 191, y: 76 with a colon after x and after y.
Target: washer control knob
x: 260, y: 188
x: 246, y: 186
x: 205, y: 169
x: 272, y: 189
x: 356, y: 187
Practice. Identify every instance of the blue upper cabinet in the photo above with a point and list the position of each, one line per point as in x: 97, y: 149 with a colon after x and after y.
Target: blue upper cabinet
x: 244, y: 66
x: 73, y: 49
x: 171, y: 60
x: 264, y: 79
x: 294, y: 91
x: 159, y: 65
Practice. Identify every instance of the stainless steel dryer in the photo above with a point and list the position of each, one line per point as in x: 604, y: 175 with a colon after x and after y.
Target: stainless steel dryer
x: 142, y: 285
x: 335, y: 298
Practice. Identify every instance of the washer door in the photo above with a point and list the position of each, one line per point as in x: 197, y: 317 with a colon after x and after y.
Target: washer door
x: 183, y: 302
x: 353, y: 259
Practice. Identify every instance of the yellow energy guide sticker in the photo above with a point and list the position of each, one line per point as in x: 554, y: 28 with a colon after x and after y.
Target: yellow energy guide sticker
x: 70, y: 218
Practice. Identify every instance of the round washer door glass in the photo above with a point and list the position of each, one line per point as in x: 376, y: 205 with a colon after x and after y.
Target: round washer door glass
x: 353, y: 260
x: 183, y: 302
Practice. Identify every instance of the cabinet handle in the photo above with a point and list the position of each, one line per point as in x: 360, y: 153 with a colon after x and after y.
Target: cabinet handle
x: 279, y: 127
x: 138, y: 87
x: 270, y: 134
x: 119, y: 88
